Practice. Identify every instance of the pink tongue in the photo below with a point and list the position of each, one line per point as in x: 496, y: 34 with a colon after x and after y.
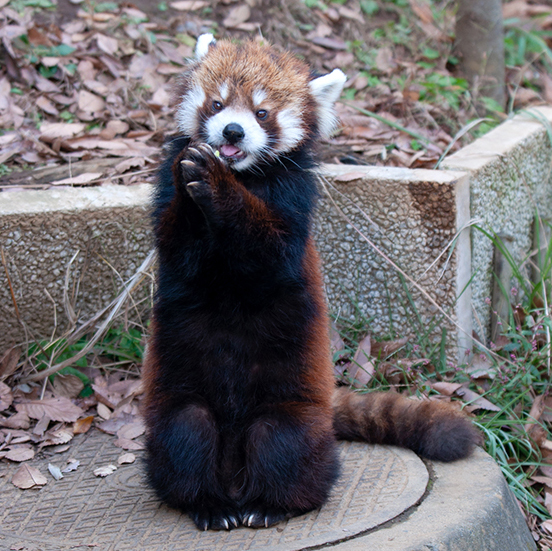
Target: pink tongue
x: 229, y: 150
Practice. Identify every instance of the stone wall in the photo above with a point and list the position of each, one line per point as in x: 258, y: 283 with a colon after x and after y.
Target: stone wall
x: 418, y: 219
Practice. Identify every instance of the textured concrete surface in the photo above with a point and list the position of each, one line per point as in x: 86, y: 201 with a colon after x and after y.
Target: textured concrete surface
x: 413, y: 216
x: 469, y: 507
x: 417, y: 214
x: 416, y: 218
x: 120, y: 512
x: 381, y: 502
x: 106, y: 227
x: 510, y: 180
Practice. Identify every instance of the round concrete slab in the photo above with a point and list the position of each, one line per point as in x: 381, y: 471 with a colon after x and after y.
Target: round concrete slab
x: 467, y: 507
x: 120, y: 512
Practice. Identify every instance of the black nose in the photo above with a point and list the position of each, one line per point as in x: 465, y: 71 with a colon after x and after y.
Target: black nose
x: 233, y: 133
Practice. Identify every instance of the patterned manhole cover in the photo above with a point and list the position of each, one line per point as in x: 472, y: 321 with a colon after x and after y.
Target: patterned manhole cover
x: 119, y: 512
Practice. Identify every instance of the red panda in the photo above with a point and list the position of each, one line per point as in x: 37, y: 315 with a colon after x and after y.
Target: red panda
x: 241, y: 408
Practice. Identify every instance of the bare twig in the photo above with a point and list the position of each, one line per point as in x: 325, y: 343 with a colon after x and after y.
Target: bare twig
x: 113, y: 309
x: 325, y: 184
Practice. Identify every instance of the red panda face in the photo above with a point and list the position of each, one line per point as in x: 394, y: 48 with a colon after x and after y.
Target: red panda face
x: 253, y: 103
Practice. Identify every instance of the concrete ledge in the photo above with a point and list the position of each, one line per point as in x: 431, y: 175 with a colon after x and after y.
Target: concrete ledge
x: 418, y: 218
x: 510, y: 181
x: 106, y: 227
x: 469, y: 507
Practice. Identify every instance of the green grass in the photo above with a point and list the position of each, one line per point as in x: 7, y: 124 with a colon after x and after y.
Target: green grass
x: 516, y: 372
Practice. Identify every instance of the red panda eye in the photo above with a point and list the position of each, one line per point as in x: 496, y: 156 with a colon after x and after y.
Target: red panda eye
x: 261, y: 114
x: 217, y: 106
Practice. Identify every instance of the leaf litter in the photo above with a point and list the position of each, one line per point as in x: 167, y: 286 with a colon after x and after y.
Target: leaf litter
x: 82, y: 85
x: 36, y: 428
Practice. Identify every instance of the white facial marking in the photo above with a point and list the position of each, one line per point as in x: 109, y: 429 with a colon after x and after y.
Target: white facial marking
x: 202, y: 45
x: 223, y: 91
x: 186, y: 116
x: 259, y: 96
x: 326, y: 91
x: 291, y: 131
x: 254, y: 141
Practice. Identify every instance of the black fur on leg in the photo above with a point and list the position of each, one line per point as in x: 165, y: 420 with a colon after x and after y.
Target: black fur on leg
x: 290, y: 466
x: 181, y: 462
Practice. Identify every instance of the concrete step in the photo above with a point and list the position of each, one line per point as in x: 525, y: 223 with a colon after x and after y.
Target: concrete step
x: 386, y: 499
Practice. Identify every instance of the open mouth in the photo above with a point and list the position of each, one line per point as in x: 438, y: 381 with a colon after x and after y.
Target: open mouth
x: 232, y: 153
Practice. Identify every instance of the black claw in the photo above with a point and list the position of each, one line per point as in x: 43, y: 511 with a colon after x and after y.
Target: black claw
x: 263, y: 517
x: 214, y: 519
x: 201, y: 520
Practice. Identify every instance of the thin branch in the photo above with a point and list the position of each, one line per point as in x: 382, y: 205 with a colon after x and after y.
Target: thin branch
x: 136, y: 279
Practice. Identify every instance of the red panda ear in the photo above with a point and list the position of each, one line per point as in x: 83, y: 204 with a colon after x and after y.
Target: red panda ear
x: 326, y: 91
x: 204, y: 41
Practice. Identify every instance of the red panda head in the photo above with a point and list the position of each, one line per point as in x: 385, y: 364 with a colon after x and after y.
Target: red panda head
x: 254, y: 103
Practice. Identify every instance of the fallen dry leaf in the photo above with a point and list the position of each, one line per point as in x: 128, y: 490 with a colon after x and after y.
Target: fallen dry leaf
x: 9, y: 361
x: 57, y: 409
x: 547, y: 525
x: 6, y: 396
x: 72, y: 465
x: 46, y: 105
x: 475, y: 401
x: 90, y: 103
x: 330, y: 43
x: 105, y: 471
x: 42, y: 426
x: 59, y: 449
x: 350, y: 176
x: 107, y: 44
x: 189, y: 5
x: 20, y: 454
x: 67, y: 386
x: 81, y: 179
x: 387, y: 348
x: 112, y: 128
x: 361, y: 370
x: 55, y: 471
x: 83, y: 425
x: 546, y: 480
x: 236, y: 16
x: 103, y: 411
x: 53, y: 130
x: 131, y: 431
x: 126, y: 458
x: 112, y: 425
x: 127, y: 387
x: 27, y: 477
x: 128, y: 444
x: 422, y: 10
x: 18, y: 421
x: 447, y: 389
x: 57, y: 437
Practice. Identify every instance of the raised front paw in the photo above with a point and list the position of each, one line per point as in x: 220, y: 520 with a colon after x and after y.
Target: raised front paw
x: 203, y: 173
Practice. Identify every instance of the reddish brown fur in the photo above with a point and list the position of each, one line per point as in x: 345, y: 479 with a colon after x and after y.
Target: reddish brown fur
x: 240, y: 407
x: 433, y: 429
x: 246, y: 68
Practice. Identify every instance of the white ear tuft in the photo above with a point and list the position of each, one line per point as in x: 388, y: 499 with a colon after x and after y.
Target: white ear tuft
x: 202, y: 45
x: 326, y: 91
